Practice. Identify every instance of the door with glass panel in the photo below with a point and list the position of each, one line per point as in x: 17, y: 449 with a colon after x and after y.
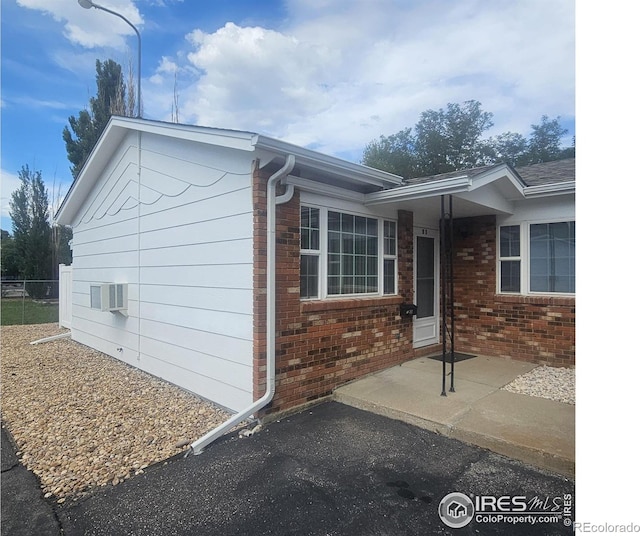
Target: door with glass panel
x: 426, y: 271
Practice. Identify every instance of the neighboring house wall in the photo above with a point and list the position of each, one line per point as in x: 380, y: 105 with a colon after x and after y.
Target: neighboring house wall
x: 191, y: 318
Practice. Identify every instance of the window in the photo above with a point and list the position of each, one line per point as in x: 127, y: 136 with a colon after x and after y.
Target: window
x: 553, y: 257
x: 344, y: 254
x: 547, y: 263
x: 309, y: 251
x: 390, y: 256
x: 352, y: 254
x: 510, y: 258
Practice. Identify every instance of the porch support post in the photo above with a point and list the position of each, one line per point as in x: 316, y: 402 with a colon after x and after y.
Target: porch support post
x: 450, y: 275
x: 446, y: 291
x: 443, y: 296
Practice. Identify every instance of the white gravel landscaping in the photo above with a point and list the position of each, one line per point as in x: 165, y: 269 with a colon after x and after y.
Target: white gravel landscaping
x: 82, y: 419
x: 547, y: 382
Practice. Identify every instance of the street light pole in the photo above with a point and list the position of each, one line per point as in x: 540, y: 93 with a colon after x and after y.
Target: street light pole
x: 88, y: 4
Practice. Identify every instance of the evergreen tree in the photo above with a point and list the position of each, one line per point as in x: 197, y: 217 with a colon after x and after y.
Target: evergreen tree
x: 9, y: 260
x: 29, y: 211
x: 87, y: 127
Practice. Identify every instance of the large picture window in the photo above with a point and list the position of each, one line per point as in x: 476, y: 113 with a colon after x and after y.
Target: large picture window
x: 544, y: 263
x: 553, y: 257
x: 346, y: 254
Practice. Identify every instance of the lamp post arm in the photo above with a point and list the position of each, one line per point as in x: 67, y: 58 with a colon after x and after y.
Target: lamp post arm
x: 139, y: 46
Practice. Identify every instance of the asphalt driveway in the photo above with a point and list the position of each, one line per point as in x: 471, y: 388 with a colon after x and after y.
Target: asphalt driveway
x: 332, y: 469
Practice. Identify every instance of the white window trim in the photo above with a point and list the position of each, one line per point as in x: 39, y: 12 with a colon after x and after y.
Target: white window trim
x: 525, y: 257
x: 323, y: 254
x: 501, y: 259
x: 388, y: 257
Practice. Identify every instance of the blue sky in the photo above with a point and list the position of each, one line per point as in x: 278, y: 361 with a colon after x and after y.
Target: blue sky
x: 330, y: 75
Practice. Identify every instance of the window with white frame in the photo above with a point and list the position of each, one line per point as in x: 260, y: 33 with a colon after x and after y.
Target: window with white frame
x: 552, y: 257
x: 389, y: 270
x: 346, y: 254
x: 309, y: 252
x: 509, y: 254
x: 537, y: 258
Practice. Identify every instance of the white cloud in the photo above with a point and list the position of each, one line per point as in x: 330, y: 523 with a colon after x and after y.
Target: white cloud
x: 343, y: 73
x: 334, y: 75
x: 88, y: 27
x: 9, y: 184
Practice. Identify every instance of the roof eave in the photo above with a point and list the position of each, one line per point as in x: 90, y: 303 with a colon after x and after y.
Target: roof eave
x: 348, y: 170
x: 545, y: 190
x: 419, y: 191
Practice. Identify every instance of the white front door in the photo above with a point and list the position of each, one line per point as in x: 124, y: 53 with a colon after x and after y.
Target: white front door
x: 425, y: 285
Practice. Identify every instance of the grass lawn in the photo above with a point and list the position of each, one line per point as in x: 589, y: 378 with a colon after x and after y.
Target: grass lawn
x: 34, y: 313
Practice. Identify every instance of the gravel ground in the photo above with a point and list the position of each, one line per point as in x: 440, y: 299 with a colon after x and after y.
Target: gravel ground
x: 547, y: 382
x: 82, y: 419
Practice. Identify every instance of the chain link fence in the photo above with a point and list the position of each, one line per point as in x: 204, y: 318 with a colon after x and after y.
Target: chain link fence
x: 27, y: 301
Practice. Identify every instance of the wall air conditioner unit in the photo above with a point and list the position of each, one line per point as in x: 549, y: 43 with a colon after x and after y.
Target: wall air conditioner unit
x: 110, y: 297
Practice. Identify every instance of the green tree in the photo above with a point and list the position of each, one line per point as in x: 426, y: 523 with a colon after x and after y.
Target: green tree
x: 111, y: 99
x: 9, y: 259
x: 508, y: 147
x: 61, y: 250
x: 441, y: 141
x: 395, y: 153
x: 29, y: 211
x: 451, y: 140
x: 544, y: 142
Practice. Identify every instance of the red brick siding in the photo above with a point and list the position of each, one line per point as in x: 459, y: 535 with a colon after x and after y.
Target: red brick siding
x: 530, y: 328
x: 323, y: 344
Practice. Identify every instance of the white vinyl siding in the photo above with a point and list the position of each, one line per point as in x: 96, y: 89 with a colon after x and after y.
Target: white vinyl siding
x: 188, y: 262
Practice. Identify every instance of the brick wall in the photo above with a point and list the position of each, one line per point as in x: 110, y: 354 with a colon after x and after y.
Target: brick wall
x: 323, y: 344
x: 530, y: 328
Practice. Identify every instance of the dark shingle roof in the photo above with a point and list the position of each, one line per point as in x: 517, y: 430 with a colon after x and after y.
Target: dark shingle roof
x: 548, y: 172
x: 533, y: 175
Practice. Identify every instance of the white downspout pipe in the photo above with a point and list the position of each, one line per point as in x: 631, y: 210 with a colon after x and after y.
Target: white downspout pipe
x: 272, y: 200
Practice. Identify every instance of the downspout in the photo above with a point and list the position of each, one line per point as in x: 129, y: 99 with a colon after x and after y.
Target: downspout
x: 272, y: 201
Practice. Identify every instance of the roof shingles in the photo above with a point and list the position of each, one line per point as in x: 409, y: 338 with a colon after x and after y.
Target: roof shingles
x: 534, y: 175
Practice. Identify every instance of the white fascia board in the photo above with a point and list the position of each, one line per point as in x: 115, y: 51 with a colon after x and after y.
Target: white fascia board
x: 544, y: 190
x: 110, y: 138
x: 419, y: 191
x: 234, y: 139
x: 343, y: 168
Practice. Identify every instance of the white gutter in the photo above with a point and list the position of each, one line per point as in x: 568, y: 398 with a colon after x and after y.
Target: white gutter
x: 272, y: 201
x: 556, y: 188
